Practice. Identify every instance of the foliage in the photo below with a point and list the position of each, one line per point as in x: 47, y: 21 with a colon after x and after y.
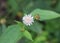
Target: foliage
x: 44, y: 29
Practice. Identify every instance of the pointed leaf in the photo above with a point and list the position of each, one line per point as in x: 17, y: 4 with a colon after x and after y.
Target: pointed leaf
x: 45, y: 14
x: 11, y: 35
x: 27, y: 35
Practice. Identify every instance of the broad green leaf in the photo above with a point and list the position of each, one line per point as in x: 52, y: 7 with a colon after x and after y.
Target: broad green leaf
x: 45, y: 14
x: 12, y: 34
x: 36, y: 27
x: 27, y: 35
x: 39, y: 39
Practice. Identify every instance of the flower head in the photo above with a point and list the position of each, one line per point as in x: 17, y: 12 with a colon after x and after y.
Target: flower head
x: 28, y: 20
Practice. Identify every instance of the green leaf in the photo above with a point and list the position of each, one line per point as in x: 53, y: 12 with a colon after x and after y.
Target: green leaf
x: 27, y: 35
x: 39, y: 39
x: 45, y: 14
x: 11, y: 35
x: 36, y: 27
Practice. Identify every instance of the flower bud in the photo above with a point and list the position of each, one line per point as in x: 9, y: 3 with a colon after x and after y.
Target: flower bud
x: 37, y: 17
x: 3, y: 21
x: 19, y: 14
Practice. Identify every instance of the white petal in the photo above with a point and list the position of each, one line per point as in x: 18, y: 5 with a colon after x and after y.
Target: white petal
x: 28, y: 19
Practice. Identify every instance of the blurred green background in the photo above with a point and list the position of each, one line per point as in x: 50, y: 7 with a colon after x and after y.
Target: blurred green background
x: 11, y: 10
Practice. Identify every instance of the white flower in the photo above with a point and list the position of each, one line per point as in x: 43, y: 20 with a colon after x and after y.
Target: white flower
x: 28, y: 20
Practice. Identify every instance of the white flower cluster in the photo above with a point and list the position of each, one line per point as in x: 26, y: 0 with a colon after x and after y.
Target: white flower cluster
x: 28, y: 20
